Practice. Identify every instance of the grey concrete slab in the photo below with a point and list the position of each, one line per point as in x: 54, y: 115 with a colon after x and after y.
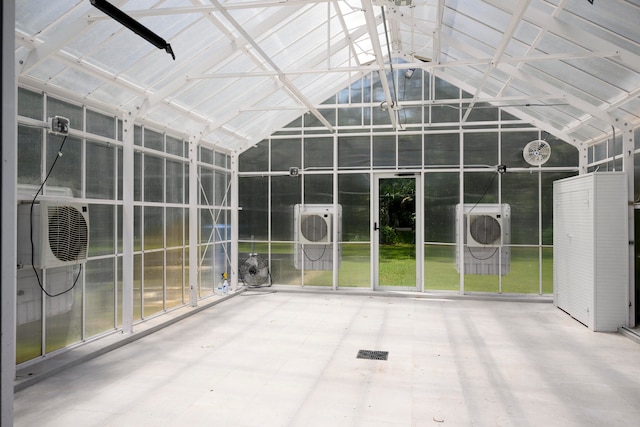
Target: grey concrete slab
x: 289, y: 359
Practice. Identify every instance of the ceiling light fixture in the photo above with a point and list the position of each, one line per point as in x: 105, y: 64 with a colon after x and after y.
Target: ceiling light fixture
x: 133, y: 25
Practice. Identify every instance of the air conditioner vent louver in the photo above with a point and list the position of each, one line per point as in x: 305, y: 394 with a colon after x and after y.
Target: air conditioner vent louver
x: 485, y: 229
x: 67, y: 233
x: 314, y: 228
x: 57, y: 231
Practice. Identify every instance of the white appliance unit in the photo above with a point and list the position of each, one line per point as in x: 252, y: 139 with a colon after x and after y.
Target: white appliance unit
x: 313, y: 232
x: 486, y: 239
x: 591, y: 249
x: 59, y: 231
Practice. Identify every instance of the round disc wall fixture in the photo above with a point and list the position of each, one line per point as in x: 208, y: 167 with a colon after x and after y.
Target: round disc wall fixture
x: 537, y: 152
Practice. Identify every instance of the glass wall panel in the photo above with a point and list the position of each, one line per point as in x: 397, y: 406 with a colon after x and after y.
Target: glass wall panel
x: 410, y: 85
x: 30, y: 104
x: 354, y: 196
x: 440, y: 271
x: 441, y: 196
x: 153, y: 179
x: 100, y: 173
x: 562, y: 154
x: 442, y: 149
x: 206, y: 155
x: 349, y: 116
x: 410, y: 116
x: 100, y: 296
x: 380, y: 116
x: 220, y: 261
x: 153, y: 140
x: 30, y: 156
x: 119, y: 296
x: 481, y: 149
x: 444, y: 113
x: 547, y: 270
x: 137, y: 176
x: 206, y: 186
x: 153, y: 282
x: 524, y: 273
x: 175, y: 146
x: 318, y: 189
x: 137, y: 228
x: 384, y: 151
x: 255, y: 159
x: 354, y: 151
x: 66, y: 177
x: 285, y: 194
x: 254, y: 198
x: 63, y: 313
x: 318, y: 152
x: 481, y: 187
x: 207, y: 276
x: 282, y: 266
x: 100, y: 124
x: 520, y: 192
x: 175, y: 182
x: 137, y: 287
x: 28, y: 316
x: 101, y: 230
x: 221, y: 186
x: 444, y: 90
x: 512, y: 145
x: 481, y: 282
x: 221, y: 160
x: 175, y: 227
x: 355, y: 266
x: 153, y: 228
x: 312, y: 121
x: 206, y: 226
x: 286, y: 153
x: 410, y: 151
x: 119, y: 175
x: 175, y: 270
x: 482, y: 112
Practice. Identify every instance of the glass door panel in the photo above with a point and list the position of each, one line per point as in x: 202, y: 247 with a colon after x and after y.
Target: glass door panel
x: 396, y: 233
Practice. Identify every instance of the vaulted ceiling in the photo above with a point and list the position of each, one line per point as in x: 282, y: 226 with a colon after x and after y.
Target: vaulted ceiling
x: 245, y: 68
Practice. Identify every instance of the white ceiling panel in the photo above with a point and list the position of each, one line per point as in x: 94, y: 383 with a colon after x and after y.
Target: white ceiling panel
x: 245, y: 68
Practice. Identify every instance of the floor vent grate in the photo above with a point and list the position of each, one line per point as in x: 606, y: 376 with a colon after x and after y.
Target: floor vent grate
x: 372, y: 354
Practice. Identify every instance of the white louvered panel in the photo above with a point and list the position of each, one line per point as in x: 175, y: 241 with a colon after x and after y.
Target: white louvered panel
x: 611, y: 247
x: 590, y: 249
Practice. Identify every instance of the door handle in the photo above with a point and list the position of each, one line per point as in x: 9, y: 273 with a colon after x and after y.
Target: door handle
x: 375, y: 226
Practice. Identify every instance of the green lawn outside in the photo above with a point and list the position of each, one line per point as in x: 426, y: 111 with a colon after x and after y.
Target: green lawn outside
x: 399, y: 268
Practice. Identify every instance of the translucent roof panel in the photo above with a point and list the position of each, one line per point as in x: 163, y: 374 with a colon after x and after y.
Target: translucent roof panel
x: 244, y: 68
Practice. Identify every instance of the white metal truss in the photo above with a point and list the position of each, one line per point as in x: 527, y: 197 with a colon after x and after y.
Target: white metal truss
x: 261, y: 63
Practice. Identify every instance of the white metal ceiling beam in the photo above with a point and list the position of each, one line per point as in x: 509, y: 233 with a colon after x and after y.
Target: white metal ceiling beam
x: 437, y: 33
x: 372, y: 26
x: 535, y: 43
x: 542, y: 85
x: 201, y: 9
x: 345, y: 30
x: 422, y: 65
x: 515, y: 20
x: 293, y: 90
x: 572, y: 33
x: 73, y: 29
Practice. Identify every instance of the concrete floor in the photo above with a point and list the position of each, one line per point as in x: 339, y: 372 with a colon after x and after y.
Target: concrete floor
x: 289, y: 359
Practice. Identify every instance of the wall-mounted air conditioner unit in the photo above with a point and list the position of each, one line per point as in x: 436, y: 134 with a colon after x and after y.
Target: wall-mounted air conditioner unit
x: 59, y: 231
x: 313, y: 224
x: 486, y: 239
